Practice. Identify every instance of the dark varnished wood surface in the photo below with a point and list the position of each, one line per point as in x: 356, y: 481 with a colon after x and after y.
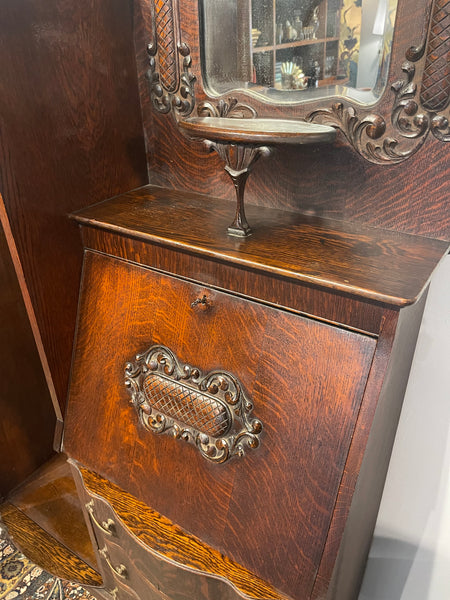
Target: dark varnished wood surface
x: 330, y: 181
x: 50, y: 499
x: 168, y: 543
x: 321, y: 304
x: 344, y: 557
x: 44, y: 550
x: 257, y: 131
x: 27, y: 418
x: 328, y: 254
x: 70, y: 135
x: 306, y: 382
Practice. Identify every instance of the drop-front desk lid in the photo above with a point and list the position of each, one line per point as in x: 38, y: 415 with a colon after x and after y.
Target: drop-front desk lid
x: 376, y: 264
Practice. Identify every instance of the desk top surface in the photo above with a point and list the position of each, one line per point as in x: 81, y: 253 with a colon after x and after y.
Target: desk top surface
x: 375, y: 264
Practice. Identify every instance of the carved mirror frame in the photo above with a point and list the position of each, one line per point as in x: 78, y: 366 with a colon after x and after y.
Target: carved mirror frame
x: 414, y: 105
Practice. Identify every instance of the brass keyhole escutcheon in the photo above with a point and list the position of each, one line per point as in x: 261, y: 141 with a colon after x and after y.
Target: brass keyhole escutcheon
x: 202, y: 303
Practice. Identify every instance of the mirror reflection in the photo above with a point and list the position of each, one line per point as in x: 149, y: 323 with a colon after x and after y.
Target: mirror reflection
x: 294, y: 50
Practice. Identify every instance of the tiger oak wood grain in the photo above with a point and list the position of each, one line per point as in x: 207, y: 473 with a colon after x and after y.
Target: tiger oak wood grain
x: 43, y: 549
x: 168, y: 543
x: 329, y: 254
x: 306, y: 380
x: 338, y: 308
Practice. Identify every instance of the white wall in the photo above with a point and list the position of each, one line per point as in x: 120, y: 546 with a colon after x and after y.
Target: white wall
x: 370, y: 44
x: 410, y: 555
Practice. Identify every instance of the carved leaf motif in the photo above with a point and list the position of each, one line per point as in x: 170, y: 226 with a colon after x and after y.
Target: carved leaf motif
x: 414, y: 115
x: 355, y: 130
x: 238, y: 158
x: 231, y: 108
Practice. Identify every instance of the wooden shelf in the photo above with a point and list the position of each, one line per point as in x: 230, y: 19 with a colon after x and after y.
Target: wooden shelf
x: 257, y: 131
x: 378, y: 265
x: 294, y: 44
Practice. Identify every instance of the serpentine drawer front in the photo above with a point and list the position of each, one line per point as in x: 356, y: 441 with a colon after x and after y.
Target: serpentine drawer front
x: 301, y: 380
x: 144, y: 551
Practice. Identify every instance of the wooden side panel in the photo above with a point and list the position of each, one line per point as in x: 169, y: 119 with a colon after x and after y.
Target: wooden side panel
x: 43, y: 549
x: 27, y: 418
x: 50, y: 499
x: 306, y: 379
x: 70, y: 135
x: 396, y: 348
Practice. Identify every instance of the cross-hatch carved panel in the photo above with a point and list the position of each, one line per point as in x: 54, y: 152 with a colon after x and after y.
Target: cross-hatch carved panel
x: 435, y: 91
x: 187, y: 406
x: 211, y: 412
x: 167, y: 51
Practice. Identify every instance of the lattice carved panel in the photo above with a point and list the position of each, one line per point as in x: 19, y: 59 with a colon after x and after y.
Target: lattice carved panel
x: 435, y: 91
x: 421, y: 100
x: 169, y: 75
x: 211, y: 412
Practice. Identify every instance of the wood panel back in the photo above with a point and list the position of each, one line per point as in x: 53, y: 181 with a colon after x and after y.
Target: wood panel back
x: 27, y: 420
x: 70, y: 135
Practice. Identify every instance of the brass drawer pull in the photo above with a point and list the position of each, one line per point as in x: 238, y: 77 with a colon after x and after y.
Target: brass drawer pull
x: 108, y: 527
x: 121, y: 570
x: 211, y: 412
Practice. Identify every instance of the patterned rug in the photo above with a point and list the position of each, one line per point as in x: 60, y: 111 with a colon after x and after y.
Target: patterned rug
x: 20, y: 579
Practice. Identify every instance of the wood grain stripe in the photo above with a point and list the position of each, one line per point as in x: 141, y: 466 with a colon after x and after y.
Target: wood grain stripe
x: 160, y: 534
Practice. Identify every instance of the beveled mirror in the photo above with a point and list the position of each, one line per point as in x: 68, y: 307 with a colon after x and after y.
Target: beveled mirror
x: 377, y: 70
x: 288, y: 51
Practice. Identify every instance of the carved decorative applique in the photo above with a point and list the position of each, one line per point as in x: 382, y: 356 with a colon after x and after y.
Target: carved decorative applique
x: 211, y: 411
x: 231, y: 108
x: 420, y: 106
x: 171, y: 82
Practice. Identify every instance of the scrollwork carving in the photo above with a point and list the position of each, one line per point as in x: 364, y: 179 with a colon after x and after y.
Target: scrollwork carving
x: 169, y: 75
x: 359, y: 132
x: 211, y: 412
x: 415, y: 113
x: 231, y: 109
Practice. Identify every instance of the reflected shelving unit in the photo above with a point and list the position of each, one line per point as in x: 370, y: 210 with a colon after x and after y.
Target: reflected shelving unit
x: 302, y: 32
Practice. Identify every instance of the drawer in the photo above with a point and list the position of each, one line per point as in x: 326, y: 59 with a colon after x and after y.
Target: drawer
x: 123, y: 563
x: 154, y: 557
x: 119, y: 566
x: 304, y: 379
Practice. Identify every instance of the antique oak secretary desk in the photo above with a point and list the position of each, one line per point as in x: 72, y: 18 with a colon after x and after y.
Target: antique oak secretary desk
x: 238, y: 371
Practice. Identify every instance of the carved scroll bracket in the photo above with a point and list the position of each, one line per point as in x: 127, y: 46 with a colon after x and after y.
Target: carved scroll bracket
x: 169, y: 75
x: 421, y: 101
x: 211, y: 411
